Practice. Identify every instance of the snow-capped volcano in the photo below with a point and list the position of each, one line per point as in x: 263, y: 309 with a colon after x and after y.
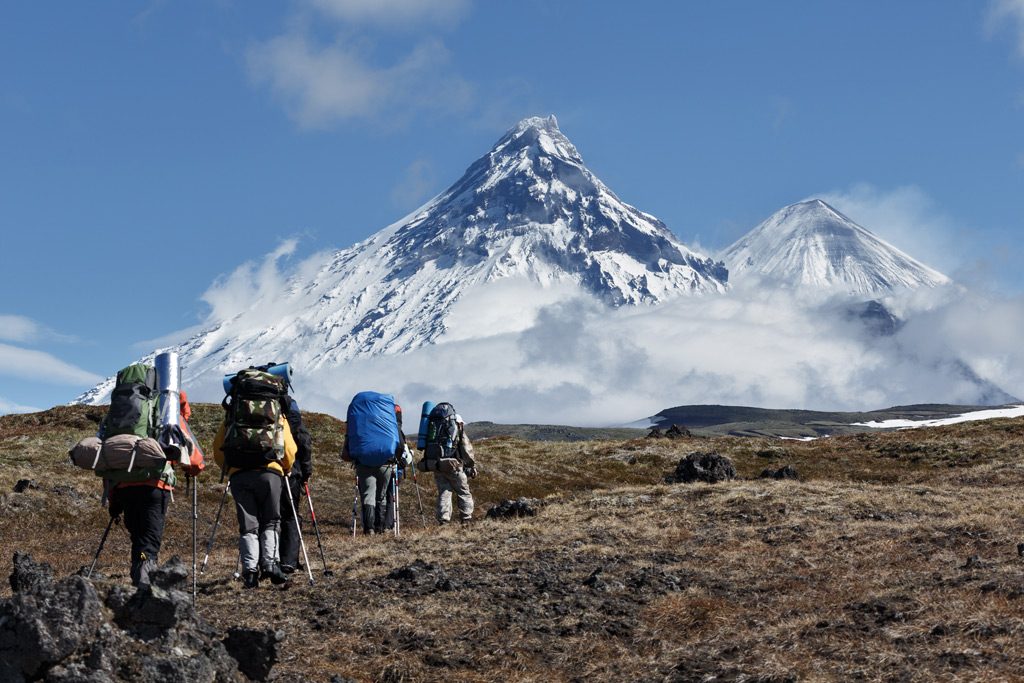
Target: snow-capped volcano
x: 528, y: 210
x: 811, y: 246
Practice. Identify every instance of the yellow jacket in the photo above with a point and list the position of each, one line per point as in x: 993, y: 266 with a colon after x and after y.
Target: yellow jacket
x: 282, y: 466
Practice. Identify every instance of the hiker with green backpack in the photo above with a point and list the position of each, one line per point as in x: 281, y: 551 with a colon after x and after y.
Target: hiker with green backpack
x: 255, y: 449
x: 138, y: 476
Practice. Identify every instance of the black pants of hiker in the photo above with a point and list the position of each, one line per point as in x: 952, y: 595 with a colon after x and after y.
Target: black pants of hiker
x: 145, y: 508
x: 290, y: 525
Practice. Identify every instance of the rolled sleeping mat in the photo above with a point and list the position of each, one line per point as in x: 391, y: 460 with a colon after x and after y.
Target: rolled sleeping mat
x: 282, y: 370
x: 421, y: 439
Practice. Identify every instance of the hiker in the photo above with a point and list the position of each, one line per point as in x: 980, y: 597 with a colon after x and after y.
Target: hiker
x: 373, y: 443
x: 448, y: 453
x: 143, y: 502
x: 256, y: 450
x: 291, y: 524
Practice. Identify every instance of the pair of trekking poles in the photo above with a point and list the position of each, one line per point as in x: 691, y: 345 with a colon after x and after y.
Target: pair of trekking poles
x: 394, y: 491
x: 195, y: 522
x: 295, y: 516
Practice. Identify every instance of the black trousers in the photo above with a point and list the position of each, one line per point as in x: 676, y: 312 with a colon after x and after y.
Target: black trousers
x: 145, y: 508
x: 290, y: 526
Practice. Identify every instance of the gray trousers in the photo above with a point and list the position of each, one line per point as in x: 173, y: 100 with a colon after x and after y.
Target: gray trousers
x: 453, y: 482
x: 257, y: 495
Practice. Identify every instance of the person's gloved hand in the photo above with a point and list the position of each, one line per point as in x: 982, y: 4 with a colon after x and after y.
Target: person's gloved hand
x: 114, y: 508
x: 471, y: 472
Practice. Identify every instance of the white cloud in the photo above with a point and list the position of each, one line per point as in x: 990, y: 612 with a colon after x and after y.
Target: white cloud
x: 17, y: 328
x: 394, y: 13
x: 253, y: 285
x: 1003, y: 13
x: 42, y: 366
x: 322, y: 86
x: 576, y: 362
x: 7, y: 407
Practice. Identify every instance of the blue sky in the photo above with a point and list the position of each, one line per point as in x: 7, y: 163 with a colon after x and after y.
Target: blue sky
x: 148, y: 150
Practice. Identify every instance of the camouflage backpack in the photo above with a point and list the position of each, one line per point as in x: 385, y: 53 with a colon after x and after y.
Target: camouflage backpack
x: 254, y: 416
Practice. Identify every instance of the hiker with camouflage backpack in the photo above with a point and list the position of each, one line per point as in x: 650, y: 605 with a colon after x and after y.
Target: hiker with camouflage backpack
x: 255, y: 449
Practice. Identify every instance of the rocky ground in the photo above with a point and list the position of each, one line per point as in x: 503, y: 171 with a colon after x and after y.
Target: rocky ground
x: 872, y: 557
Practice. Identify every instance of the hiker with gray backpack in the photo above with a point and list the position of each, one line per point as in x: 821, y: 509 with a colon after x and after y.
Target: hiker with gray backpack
x: 448, y: 453
x: 255, y: 449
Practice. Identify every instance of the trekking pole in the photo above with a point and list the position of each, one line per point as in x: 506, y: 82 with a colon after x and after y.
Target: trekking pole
x: 215, y: 522
x: 316, y: 527
x: 416, y: 484
x: 355, y: 506
x: 195, y: 524
x: 295, y: 516
x: 100, y: 549
x: 394, y: 484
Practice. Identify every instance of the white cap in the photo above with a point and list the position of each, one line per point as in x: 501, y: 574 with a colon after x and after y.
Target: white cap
x: 458, y: 418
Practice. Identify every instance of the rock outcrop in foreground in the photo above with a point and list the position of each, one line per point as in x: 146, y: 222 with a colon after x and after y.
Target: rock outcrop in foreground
x: 75, y: 630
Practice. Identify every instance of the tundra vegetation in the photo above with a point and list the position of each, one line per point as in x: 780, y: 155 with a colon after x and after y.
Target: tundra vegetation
x: 894, y: 556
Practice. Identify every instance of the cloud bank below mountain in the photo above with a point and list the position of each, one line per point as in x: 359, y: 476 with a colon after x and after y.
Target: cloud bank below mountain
x: 571, y: 360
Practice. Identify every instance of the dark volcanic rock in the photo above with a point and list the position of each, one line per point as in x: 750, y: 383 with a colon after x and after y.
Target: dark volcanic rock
x: 60, y: 631
x: 706, y: 467
x: 523, y: 507
x: 29, y: 574
x: 24, y: 484
x: 787, y: 472
x: 420, y: 575
x: 45, y: 624
x: 255, y: 650
x: 673, y: 432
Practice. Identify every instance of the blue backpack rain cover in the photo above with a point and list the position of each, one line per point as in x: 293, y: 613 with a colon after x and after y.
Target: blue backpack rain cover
x: 372, y: 428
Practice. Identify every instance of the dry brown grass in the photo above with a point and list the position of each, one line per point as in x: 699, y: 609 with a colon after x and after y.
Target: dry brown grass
x: 895, y: 558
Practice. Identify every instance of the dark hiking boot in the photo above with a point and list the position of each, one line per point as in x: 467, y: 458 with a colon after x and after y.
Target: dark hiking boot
x: 275, y: 574
x: 287, y: 569
x: 369, y: 519
x: 140, y: 572
x: 250, y: 579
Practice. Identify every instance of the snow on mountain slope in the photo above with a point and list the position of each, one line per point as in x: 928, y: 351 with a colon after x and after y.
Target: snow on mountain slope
x: 529, y: 210
x: 812, y: 247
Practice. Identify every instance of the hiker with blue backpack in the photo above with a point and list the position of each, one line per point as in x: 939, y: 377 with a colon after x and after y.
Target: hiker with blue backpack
x: 448, y: 453
x: 373, y: 444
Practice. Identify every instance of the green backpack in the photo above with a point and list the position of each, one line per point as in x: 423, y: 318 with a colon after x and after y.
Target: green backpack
x: 134, y: 403
x: 254, y: 412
